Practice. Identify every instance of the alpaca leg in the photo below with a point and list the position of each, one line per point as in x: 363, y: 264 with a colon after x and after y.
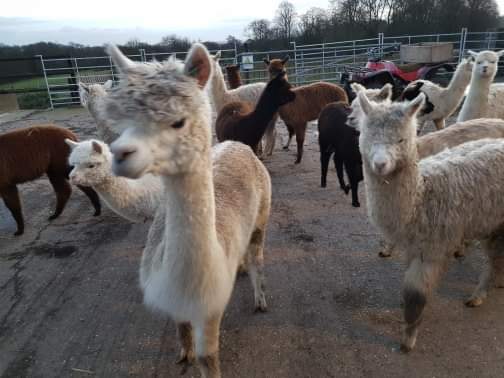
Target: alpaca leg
x: 493, y: 249
x: 420, y: 278
x: 10, y: 196
x: 291, y: 131
x: 300, y: 137
x: 439, y: 123
x: 63, y: 191
x: 93, y: 197
x: 325, y: 156
x: 353, y: 177
x: 256, y: 268
x: 270, y: 138
x: 338, y: 164
x: 207, y: 347
x: 185, y: 335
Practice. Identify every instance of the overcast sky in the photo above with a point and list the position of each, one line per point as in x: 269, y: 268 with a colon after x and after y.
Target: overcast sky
x: 94, y: 22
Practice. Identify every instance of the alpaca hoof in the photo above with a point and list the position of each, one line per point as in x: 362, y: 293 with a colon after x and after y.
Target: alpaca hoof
x: 19, y: 232
x: 297, y: 161
x: 406, y: 348
x: 323, y: 185
x: 346, y: 189
x: 356, y: 204
x: 260, y: 304
x: 458, y: 255
x: 97, y: 213
x: 285, y: 147
x: 53, y: 217
x: 384, y: 254
x: 474, y: 302
x: 186, y: 360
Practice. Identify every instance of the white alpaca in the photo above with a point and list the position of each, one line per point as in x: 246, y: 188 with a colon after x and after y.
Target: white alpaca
x: 135, y: 200
x: 249, y: 93
x: 484, y: 100
x: 92, y: 96
x: 429, y: 208
x: 440, y: 103
x: 218, y: 199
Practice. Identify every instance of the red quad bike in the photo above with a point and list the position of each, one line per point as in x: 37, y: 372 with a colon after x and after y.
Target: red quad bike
x: 379, y: 72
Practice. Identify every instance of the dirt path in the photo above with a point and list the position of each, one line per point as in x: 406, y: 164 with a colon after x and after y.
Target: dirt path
x: 70, y: 305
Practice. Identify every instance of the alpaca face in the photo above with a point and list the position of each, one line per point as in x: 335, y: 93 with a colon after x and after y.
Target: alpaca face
x: 379, y: 95
x: 281, y: 90
x: 165, y: 112
x: 90, y: 93
x: 277, y: 66
x: 485, y: 64
x: 388, y: 134
x: 92, y: 162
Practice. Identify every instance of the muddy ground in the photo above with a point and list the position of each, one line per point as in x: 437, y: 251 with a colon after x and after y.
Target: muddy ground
x: 70, y: 305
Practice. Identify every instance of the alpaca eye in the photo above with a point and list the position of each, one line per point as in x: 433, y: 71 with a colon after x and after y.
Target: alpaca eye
x: 91, y: 166
x: 400, y: 141
x: 179, y: 124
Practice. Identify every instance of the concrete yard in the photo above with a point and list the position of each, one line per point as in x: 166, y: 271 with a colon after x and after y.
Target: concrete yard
x: 70, y: 303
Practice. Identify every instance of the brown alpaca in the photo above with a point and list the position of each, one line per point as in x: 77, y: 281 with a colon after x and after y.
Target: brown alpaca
x: 233, y: 75
x: 276, y: 66
x: 25, y: 155
x: 239, y: 121
x: 309, y: 102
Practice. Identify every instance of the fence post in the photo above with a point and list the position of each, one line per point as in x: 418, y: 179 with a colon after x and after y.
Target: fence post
x: 295, y: 62
x: 323, y: 61
x: 142, y: 55
x: 462, y: 43
x: 236, y: 53
x: 112, y: 69
x: 46, y: 81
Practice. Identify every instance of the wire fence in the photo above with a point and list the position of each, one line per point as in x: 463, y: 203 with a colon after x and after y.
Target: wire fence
x: 307, y: 64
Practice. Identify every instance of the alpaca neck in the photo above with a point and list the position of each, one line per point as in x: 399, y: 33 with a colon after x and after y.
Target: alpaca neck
x: 476, y: 103
x: 458, y: 84
x: 263, y: 113
x: 190, y: 227
x: 218, y: 88
x: 394, y: 198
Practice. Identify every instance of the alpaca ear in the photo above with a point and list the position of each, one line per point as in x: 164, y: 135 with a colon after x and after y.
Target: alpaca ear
x: 366, y: 105
x: 386, y: 92
x: 285, y: 60
x: 412, y: 107
x: 472, y: 53
x: 266, y: 61
x: 107, y: 85
x: 96, y: 147
x: 70, y: 143
x: 356, y: 87
x: 120, y: 60
x: 500, y: 53
x: 83, y: 87
x: 197, y: 64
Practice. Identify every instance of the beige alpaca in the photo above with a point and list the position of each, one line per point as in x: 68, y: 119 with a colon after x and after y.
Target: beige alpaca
x: 429, y: 208
x: 218, y: 198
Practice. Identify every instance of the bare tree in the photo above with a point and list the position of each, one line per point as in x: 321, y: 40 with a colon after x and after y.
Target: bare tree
x: 285, y: 19
x: 258, y: 29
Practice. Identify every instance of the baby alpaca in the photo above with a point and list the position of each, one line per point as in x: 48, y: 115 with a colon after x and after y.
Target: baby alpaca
x: 25, y: 155
x: 218, y: 198
x: 135, y: 200
x: 237, y: 121
x: 417, y: 205
x: 484, y: 100
x: 440, y: 103
x: 92, y: 96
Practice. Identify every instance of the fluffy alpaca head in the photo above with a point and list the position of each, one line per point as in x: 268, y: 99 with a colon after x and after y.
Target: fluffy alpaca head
x: 379, y: 95
x: 276, y: 66
x: 91, y: 161
x: 485, y: 64
x: 388, y: 133
x: 91, y: 92
x: 165, y: 112
x: 280, y: 90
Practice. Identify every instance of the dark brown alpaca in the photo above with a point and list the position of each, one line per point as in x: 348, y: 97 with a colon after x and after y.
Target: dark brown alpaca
x: 25, y: 155
x: 233, y: 76
x: 239, y: 121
